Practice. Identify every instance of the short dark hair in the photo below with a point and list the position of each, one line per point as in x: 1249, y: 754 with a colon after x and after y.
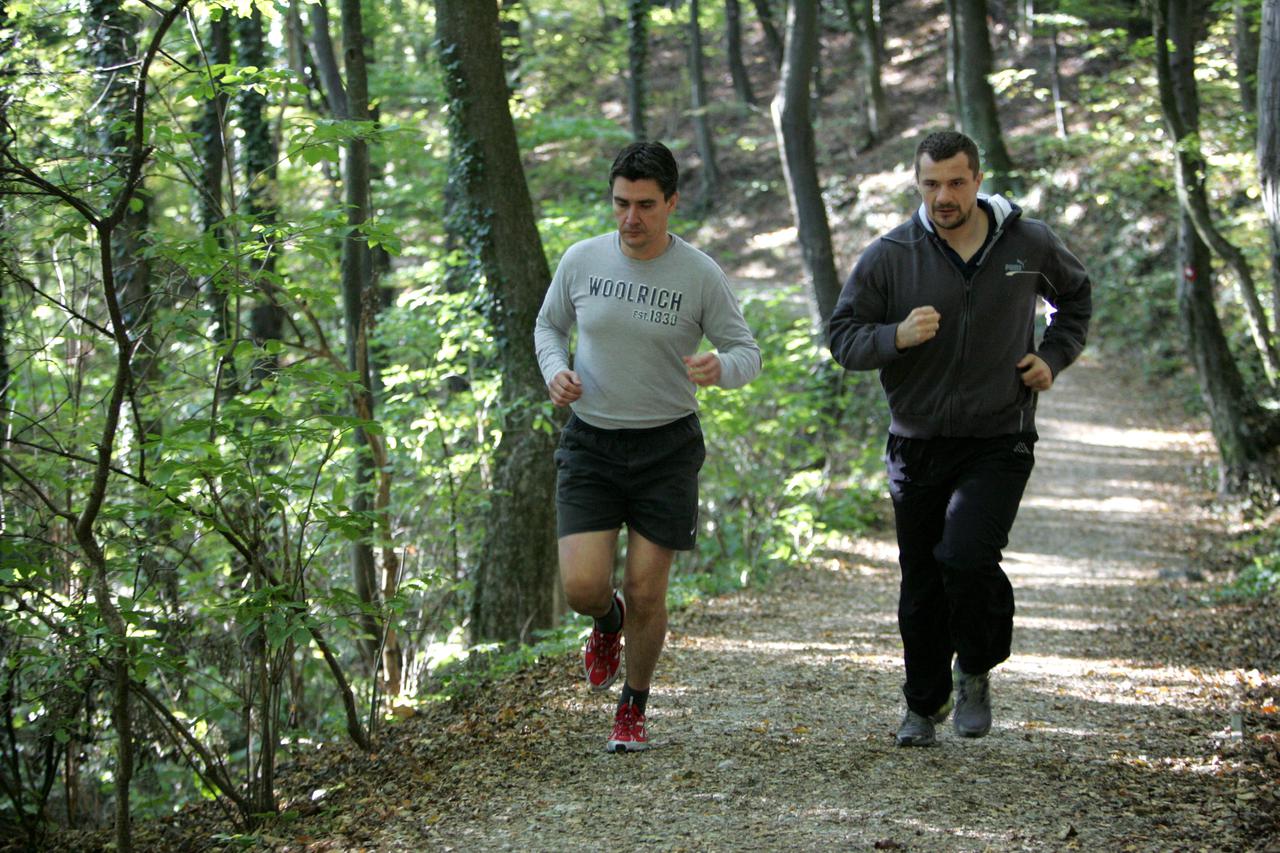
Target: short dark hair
x: 652, y: 160
x: 945, y: 144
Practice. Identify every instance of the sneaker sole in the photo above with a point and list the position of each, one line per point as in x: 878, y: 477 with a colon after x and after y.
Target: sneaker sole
x: 599, y: 688
x: 616, y: 746
x: 973, y: 733
x: 916, y: 742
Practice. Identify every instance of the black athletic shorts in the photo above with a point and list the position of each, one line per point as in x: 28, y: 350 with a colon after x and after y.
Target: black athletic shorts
x: 644, y: 478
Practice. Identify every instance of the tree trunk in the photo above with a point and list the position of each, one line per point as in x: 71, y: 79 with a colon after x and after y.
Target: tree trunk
x: 701, y: 123
x: 864, y: 21
x: 5, y: 425
x: 871, y: 40
x: 509, y: 26
x: 737, y: 68
x: 953, y: 62
x: 259, y: 153
x: 515, y: 579
x: 1055, y: 81
x: 794, y: 131
x: 1268, y: 148
x: 125, y: 282
x: 978, y: 115
x: 1025, y: 27
x: 637, y: 56
x: 1248, y: 74
x: 1247, y: 438
x: 5, y: 141
x: 259, y: 156
x: 361, y: 302
x: 1179, y: 24
x: 211, y: 128
x: 772, y: 38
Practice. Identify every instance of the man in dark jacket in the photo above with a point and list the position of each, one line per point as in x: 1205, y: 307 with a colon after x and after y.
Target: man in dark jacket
x: 944, y: 306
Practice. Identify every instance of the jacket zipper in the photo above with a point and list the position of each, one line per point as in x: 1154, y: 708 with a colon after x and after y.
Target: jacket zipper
x: 951, y: 417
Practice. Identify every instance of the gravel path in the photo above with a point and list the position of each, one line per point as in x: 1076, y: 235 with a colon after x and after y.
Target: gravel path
x: 773, y: 712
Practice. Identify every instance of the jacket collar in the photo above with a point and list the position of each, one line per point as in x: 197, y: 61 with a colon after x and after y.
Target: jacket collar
x: 1001, y: 207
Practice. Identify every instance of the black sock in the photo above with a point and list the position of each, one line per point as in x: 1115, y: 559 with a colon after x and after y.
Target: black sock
x: 611, y: 622
x: 639, y: 698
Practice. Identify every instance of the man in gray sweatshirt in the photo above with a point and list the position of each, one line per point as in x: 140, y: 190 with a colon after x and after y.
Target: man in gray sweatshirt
x: 944, y: 306
x: 642, y: 300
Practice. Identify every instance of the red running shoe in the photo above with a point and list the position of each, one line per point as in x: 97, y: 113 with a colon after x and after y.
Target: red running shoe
x: 628, y: 731
x: 603, y: 653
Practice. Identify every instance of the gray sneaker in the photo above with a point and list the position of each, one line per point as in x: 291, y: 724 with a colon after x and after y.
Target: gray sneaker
x: 916, y: 730
x: 973, y: 703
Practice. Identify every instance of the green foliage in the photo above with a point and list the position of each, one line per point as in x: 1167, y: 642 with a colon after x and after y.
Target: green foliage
x: 1258, y: 579
x: 1257, y: 558
x: 775, y: 447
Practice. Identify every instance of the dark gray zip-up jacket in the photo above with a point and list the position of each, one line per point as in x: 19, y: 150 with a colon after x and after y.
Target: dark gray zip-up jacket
x: 963, y: 382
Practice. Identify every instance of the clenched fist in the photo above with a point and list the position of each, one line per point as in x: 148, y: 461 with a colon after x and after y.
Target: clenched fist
x: 704, y: 368
x: 564, y: 387
x: 919, y: 326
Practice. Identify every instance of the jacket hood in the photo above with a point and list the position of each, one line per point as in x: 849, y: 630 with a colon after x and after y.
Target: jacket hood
x: 1004, y: 210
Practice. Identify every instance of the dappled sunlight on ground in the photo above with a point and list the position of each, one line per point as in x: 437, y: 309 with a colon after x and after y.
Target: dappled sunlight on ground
x: 1105, y: 505
x: 1133, y: 438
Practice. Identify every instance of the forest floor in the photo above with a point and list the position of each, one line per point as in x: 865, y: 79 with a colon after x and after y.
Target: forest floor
x: 1138, y: 712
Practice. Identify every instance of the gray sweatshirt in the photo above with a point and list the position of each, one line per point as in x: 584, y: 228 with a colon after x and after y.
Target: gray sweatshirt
x: 636, y: 321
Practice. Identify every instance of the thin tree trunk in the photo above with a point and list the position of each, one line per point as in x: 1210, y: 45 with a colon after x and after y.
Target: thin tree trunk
x: 794, y: 131
x: 737, y: 68
x: 509, y: 25
x: 871, y: 40
x: 953, y: 63
x: 864, y: 21
x: 362, y: 302
x: 118, y: 657
x: 213, y: 162
x: 1055, y: 81
x: 772, y: 38
x: 515, y: 576
x: 1247, y: 47
x: 5, y: 141
x: 1246, y: 442
x: 979, y: 117
x: 113, y: 42
x: 259, y: 154
x: 701, y: 123
x: 359, y: 305
x: 1178, y: 24
x: 1268, y: 146
x: 637, y: 57
x: 326, y: 57
x: 1247, y: 439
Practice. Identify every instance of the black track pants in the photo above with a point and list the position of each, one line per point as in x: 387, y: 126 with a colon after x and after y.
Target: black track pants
x: 954, y: 502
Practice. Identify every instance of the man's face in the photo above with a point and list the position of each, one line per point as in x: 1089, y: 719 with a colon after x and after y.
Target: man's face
x: 642, y: 214
x: 949, y: 189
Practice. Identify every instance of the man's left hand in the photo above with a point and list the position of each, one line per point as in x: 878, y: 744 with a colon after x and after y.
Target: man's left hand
x: 1036, y: 375
x: 704, y: 368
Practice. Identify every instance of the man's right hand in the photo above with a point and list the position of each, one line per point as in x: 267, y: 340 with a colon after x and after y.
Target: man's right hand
x: 919, y: 326
x: 564, y: 387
